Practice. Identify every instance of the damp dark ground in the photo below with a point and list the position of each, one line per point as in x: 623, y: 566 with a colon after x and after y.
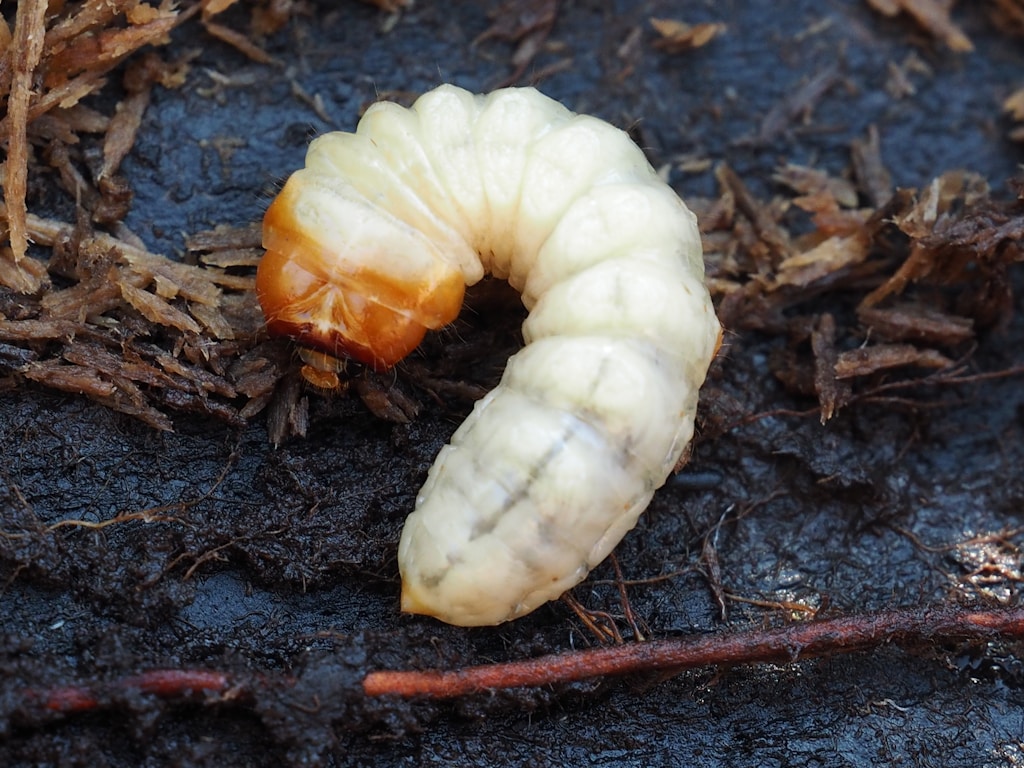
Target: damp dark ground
x: 267, y: 561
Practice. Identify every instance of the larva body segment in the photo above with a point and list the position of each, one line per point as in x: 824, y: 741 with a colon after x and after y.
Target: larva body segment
x: 555, y: 465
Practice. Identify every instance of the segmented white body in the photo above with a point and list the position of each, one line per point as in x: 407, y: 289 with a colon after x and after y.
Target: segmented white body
x: 554, y: 466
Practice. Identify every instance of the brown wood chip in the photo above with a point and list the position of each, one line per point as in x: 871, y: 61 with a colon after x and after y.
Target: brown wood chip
x: 212, y: 320
x: 829, y: 256
x: 25, y: 52
x: 37, y: 330
x: 117, y: 393
x: 226, y: 238
x: 676, y: 36
x: 156, y: 310
x: 870, y: 172
x: 868, y: 360
x: 910, y: 322
x: 288, y: 413
x: 123, y: 126
x: 817, y: 188
x: 832, y: 393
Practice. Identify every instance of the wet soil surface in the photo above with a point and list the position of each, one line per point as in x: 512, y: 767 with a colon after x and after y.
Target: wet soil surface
x: 279, y: 562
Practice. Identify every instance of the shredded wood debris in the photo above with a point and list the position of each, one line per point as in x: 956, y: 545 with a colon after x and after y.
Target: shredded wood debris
x: 139, y: 333
x: 873, y: 288
x: 911, y: 277
x: 103, y: 316
x: 70, y: 53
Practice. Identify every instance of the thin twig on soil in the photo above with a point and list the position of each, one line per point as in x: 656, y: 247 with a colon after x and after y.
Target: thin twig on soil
x: 904, y: 627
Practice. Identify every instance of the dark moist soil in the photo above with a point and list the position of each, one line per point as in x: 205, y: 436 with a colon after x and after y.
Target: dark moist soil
x: 279, y: 563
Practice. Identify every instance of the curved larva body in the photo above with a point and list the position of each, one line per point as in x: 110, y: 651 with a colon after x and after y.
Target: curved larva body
x: 555, y: 465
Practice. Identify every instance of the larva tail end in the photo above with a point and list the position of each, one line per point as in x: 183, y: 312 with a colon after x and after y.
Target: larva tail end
x: 419, y: 599
x: 413, y: 602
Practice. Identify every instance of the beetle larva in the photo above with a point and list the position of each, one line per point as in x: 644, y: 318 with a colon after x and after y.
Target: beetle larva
x: 373, y: 242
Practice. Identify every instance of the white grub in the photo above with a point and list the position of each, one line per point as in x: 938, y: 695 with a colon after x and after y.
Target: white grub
x: 554, y: 466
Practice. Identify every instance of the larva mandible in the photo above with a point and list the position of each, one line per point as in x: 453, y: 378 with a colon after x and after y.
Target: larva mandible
x: 373, y: 243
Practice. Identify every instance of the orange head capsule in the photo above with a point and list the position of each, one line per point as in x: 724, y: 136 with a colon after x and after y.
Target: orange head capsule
x: 346, y: 279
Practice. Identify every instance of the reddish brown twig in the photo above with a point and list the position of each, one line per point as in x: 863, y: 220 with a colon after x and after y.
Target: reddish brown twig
x: 164, y: 683
x: 781, y: 645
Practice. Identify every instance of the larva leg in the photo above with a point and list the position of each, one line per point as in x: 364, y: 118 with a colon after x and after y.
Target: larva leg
x: 554, y: 466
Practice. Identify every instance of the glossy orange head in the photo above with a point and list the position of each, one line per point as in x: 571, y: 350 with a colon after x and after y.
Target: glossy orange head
x: 328, y: 279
